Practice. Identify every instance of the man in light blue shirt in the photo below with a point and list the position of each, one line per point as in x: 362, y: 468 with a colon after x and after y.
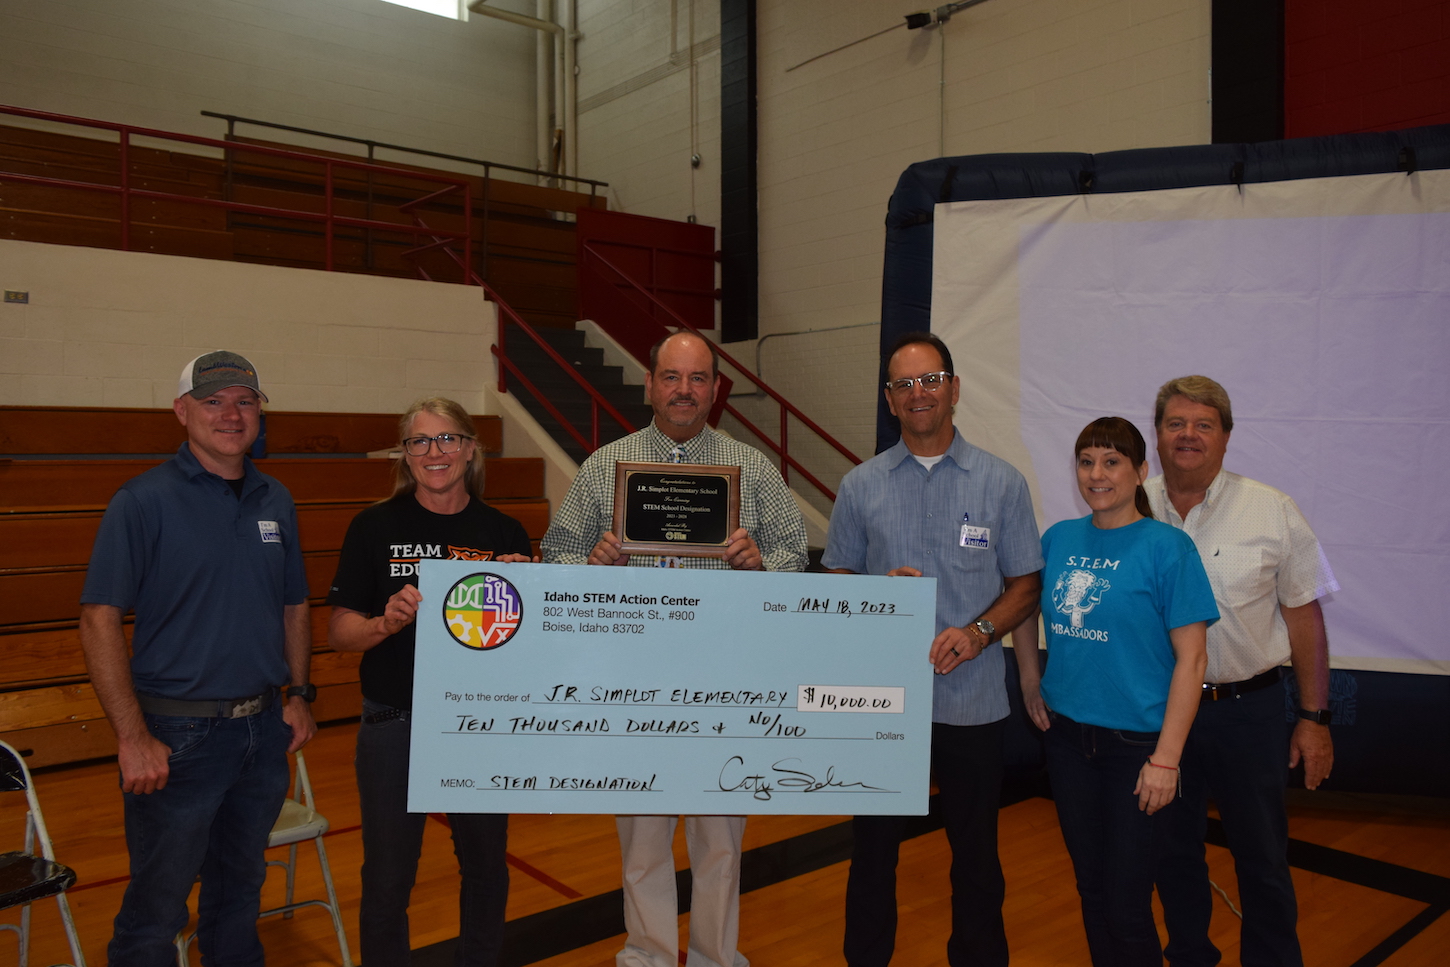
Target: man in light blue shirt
x: 937, y: 506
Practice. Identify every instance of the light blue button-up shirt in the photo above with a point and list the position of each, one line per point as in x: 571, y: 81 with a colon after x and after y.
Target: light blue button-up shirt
x: 892, y: 512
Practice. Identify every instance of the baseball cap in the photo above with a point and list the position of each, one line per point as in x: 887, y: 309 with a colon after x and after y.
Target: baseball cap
x: 210, y: 372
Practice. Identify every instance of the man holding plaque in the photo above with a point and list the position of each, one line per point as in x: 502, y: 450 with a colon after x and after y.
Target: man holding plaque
x: 935, y: 505
x: 681, y: 384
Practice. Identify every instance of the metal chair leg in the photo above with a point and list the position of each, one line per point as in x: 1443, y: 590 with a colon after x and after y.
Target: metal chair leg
x: 68, y: 921
x: 335, y: 907
x: 291, y: 877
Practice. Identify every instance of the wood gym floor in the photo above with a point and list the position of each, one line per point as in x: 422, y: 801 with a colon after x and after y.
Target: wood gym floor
x: 1372, y: 873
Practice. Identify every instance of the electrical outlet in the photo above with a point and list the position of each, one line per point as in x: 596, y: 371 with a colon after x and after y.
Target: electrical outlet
x: 20, y: 297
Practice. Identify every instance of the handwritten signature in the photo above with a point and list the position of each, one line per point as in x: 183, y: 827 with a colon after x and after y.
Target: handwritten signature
x: 760, y: 785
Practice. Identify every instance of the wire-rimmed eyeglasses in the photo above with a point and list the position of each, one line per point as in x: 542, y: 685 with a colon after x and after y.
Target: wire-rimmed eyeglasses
x: 931, y: 382
x: 417, y: 446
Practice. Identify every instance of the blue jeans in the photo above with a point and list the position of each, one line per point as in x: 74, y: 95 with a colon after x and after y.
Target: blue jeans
x: 966, y: 761
x: 393, y: 841
x: 227, y: 782
x: 1238, y: 755
x: 1113, y: 844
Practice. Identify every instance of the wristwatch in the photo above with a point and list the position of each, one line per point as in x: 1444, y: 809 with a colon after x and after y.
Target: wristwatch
x: 1319, y: 716
x: 308, y: 692
x: 986, y: 628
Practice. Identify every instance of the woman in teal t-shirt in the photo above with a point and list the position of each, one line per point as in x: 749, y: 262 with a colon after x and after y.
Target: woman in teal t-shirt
x: 1126, y: 607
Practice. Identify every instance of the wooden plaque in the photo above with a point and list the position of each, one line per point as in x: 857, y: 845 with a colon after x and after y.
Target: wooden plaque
x: 681, y: 509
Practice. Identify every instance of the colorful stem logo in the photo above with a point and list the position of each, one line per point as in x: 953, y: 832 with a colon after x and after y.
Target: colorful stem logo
x: 483, y: 611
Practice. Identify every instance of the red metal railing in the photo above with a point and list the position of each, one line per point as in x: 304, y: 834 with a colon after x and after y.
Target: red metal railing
x: 594, y: 261
x: 597, y: 401
x: 328, y: 217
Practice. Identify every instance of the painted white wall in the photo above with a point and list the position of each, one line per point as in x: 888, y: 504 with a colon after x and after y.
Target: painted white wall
x: 640, y: 116
x: 1008, y: 75
x: 835, y: 133
x: 106, y: 328
x: 357, y: 67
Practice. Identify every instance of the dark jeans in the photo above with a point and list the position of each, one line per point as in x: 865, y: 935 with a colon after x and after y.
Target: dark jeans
x: 227, y: 782
x: 1111, y: 841
x: 1237, y: 754
x: 392, y: 843
x: 966, y: 761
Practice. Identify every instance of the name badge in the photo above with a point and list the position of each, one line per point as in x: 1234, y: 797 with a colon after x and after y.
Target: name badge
x: 978, y: 537
x: 271, y: 533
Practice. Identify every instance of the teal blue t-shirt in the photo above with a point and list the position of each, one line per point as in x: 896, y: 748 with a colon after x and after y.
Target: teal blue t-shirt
x: 1109, y: 598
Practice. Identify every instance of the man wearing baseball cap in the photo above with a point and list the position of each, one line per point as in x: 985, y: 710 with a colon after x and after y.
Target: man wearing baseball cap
x: 215, y: 692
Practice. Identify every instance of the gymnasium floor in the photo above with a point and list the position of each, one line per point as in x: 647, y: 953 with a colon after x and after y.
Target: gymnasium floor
x: 1372, y: 873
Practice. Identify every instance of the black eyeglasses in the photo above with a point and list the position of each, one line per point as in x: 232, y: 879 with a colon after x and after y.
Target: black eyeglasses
x: 417, y: 446
x: 931, y: 382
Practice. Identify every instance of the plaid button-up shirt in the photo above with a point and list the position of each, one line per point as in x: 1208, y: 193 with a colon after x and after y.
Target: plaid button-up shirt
x: 768, y: 512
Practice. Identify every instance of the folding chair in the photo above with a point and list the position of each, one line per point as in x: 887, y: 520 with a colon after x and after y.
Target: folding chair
x: 26, y: 877
x: 298, y: 822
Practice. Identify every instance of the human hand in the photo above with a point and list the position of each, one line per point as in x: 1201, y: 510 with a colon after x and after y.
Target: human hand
x: 401, y: 609
x: 1036, y: 706
x: 1311, y: 743
x: 903, y: 572
x: 742, y: 554
x: 1157, y: 786
x: 145, y: 764
x: 297, y: 713
x: 954, y: 646
x: 517, y: 559
x: 608, y: 551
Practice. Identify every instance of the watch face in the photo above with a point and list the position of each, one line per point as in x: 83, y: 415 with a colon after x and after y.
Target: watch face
x: 986, y: 627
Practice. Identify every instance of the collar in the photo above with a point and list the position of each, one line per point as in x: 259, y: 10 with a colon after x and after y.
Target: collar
x: 1215, y: 489
x: 193, y: 469
x: 662, y: 444
x: 960, y: 453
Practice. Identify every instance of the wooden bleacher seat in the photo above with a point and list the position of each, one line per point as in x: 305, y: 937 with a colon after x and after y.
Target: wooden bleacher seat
x: 50, y: 510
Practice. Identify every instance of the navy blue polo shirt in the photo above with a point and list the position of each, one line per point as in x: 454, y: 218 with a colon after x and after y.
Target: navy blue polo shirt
x: 207, y: 573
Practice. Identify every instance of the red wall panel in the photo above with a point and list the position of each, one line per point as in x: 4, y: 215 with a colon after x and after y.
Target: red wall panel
x: 1365, y: 65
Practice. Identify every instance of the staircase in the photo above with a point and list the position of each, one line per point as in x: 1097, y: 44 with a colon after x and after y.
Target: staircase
x: 566, y: 395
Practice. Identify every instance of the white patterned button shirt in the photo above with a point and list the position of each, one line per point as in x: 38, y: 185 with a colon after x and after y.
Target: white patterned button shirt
x: 768, y: 512
x: 1260, y: 554
x: 891, y: 512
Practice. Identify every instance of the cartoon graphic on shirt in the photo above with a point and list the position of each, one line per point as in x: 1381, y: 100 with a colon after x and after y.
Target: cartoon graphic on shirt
x: 1077, y: 592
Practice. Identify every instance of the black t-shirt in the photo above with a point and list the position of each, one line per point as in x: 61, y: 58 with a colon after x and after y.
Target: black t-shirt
x: 384, y: 544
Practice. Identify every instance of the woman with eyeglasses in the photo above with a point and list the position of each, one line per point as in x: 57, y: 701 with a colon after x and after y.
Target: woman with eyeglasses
x: 1126, y: 606
x: 436, y: 511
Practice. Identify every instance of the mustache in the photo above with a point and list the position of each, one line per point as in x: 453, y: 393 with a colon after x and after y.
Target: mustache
x: 682, y: 399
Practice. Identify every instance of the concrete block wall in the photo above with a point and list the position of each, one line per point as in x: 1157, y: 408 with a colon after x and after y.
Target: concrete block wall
x: 106, y: 328
x: 799, y: 366
x: 635, y: 98
x: 358, y: 67
x: 1365, y: 67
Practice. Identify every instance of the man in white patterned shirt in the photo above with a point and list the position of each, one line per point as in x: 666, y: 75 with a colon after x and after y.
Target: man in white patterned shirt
x: 1268, y: 573
x: 683, y: 379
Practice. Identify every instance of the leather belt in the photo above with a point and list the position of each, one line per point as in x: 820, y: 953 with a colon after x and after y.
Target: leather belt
x: 1212, y: 691
x: 385, y: 715
x: 224, y: 708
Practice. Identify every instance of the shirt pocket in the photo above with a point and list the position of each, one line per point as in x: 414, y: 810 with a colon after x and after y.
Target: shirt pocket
x: 979, y: 554
x: 1235, y: 573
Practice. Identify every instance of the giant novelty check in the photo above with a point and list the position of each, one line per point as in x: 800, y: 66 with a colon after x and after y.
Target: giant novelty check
x: 549, y: 688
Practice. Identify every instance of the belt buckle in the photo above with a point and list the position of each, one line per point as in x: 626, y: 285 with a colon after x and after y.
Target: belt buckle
x: 246, y: 707
x: 1211, y: 692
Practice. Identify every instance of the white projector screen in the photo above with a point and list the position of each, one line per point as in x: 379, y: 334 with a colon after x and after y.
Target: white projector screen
x: 1322, y: 306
